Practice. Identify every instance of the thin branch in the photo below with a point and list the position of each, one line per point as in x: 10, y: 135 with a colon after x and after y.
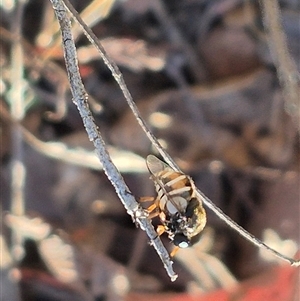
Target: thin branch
x: 116, y: 73
x: 17, y: 108
x: 178, y: 39
x: 125, y: 161
x: 80, y: 99
x: 250, y: 237
x: 286, y: 68
x: 120, y: 80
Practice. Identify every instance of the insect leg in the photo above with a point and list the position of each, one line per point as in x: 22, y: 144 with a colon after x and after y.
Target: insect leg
x: 160, y: 230
x: 144, y: 199
x: 152, y: 209
x: 174, y: 251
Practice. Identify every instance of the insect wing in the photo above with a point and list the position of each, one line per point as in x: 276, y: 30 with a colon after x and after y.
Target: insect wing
x: 155, y: 165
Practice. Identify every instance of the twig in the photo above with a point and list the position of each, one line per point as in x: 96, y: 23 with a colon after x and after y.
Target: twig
x: 17, y: 108
x: 76, y: 156
x: 178, y: 39
x: 286, y: 68
x: 80, y: 99
x: 120, y: 80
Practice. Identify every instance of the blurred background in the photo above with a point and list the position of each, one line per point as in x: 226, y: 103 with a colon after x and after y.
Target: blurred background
x: 204, y: 78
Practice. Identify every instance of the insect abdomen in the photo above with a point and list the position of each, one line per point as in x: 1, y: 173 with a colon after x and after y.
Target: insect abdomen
x: 174, y: 191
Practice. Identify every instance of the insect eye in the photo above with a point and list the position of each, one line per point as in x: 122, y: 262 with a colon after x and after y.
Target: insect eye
x: 181, y: 241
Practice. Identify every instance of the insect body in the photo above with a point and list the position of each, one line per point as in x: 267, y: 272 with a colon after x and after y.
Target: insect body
x: 180, y: 211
